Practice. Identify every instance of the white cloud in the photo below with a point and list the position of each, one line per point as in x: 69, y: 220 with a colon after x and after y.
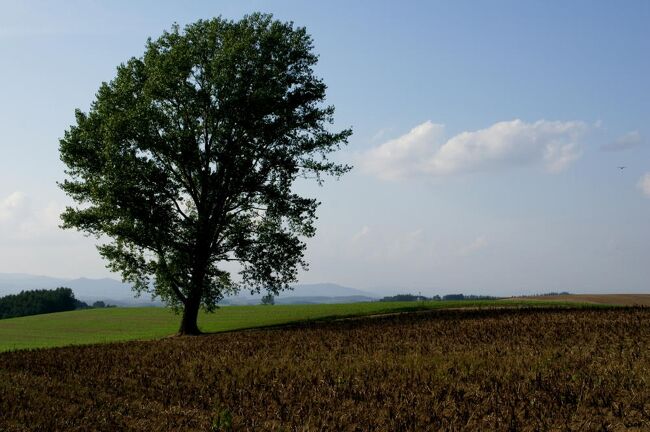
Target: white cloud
x: 361, y: 234
x: 396, y: 158
x: 381, y: 133
x: 410, y: 242
x: 13, y: 207
x: 644, y: 184
x: 624, y: 142
x: 423, y: 151
x: 477, y: 244
x: 21, y: 220
x: 384, y: 244
x: 32, y: 242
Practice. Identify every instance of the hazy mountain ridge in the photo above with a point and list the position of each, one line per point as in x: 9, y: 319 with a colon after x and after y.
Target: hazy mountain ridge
x: 115, y: 292
x: 85, y: 289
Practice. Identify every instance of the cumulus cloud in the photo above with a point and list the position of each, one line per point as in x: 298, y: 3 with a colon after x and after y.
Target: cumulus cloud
x: 625, y: 142
x: 424, y: 152
x: 477, y: 244
x: 13, y: 207
x: 20, y: 219
x: 644, y: 184
x: 381, y: 133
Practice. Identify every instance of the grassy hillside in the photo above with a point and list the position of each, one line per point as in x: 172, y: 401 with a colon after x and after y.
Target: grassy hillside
x: 122, y: 324
x: 617, y: 299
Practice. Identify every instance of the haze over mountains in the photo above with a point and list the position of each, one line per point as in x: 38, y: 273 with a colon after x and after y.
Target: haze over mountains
x: 118, y: 293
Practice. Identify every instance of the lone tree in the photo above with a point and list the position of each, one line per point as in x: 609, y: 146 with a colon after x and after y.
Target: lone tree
x: 268, y: 300
x: 186, y: 160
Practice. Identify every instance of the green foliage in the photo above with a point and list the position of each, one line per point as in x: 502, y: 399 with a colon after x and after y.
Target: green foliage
x: 39, y: 302
x: 81, y: 305
x: 455, y: 297
x: 100, y: 304
x: 268, y: 300
x: 404, y: 297
x: 448, y: 297
x: 187, y: 158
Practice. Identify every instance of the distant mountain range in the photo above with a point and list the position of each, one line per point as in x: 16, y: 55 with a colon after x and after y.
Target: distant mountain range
x: 89, y: 290
x: 115, y: 292
x: 309, y: 293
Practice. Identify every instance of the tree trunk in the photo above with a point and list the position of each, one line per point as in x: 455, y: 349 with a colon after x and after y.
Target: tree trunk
x: 189, y: 324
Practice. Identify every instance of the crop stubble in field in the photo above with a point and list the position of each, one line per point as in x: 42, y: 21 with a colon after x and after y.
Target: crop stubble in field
x: 443, y: 370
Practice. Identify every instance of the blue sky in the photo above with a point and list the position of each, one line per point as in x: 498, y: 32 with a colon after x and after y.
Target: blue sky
x: 487, y: 137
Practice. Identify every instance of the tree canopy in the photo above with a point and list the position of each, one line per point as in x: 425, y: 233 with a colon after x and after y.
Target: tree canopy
x: 186, y: 160
x: 37, y: 302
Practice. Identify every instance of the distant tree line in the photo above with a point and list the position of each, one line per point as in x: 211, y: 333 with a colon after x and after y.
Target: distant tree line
x: 98, y: 305
x: 406, y: 297
x: 469, y: 297
x: 41, y: 302
x: 412, y: 297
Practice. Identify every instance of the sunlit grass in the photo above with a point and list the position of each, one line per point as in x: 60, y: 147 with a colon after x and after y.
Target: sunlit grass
x: 122, y: 324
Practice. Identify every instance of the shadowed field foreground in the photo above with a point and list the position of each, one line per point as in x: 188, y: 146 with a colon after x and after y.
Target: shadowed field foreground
x: 441, y: 370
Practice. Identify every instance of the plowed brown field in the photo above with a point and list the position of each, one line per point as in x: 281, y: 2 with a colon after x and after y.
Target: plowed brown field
x: 482, y: 370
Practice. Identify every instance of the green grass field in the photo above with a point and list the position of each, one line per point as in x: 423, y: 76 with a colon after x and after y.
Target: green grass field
x: 123, y: 324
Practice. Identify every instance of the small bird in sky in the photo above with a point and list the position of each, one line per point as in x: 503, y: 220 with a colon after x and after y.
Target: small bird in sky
x: 622, y: 168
